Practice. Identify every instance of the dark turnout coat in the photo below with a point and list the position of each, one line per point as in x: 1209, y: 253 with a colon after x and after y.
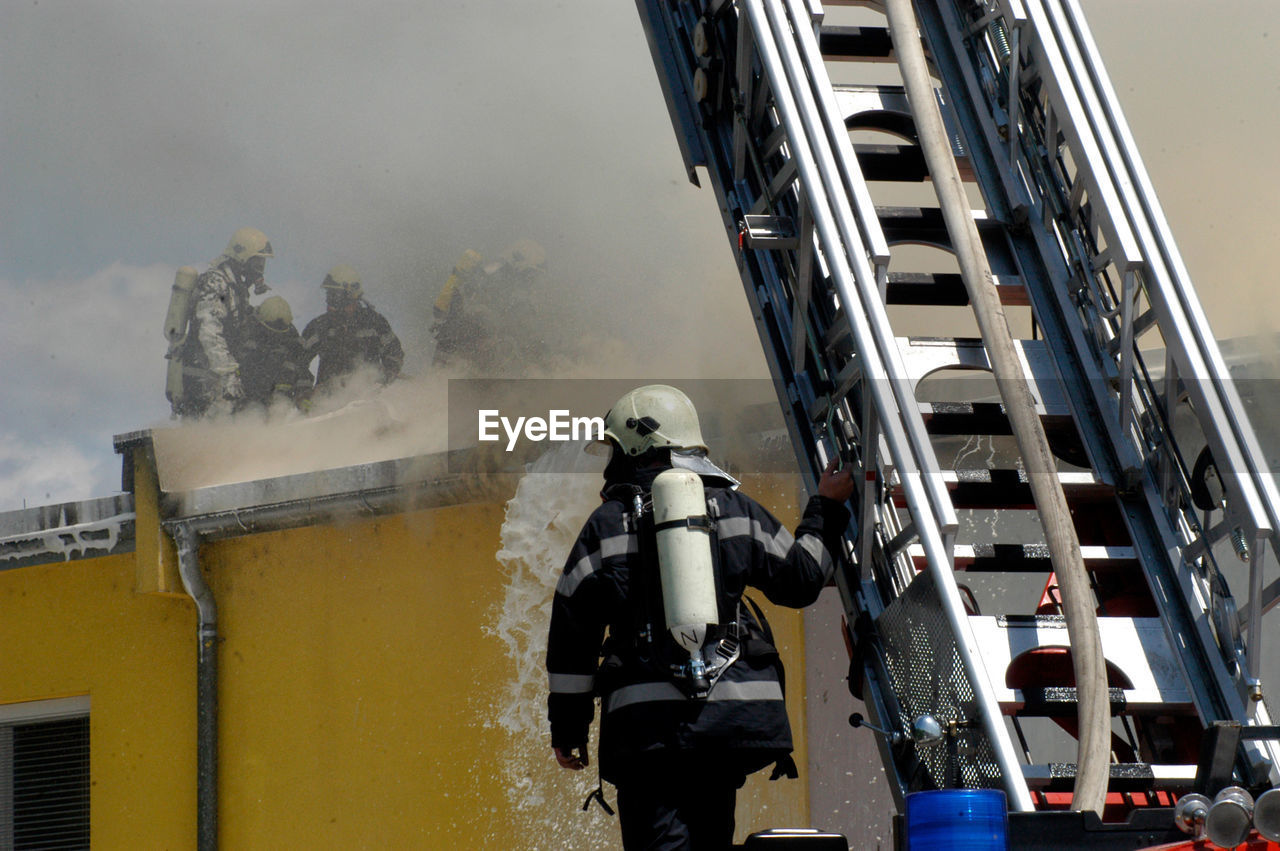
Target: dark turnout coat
x: 346, y: 341
x: 273, y: 363
x: 742, y: 723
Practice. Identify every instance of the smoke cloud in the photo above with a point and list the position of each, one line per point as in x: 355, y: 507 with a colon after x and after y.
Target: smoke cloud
x: 391, y: 137
x: 395, y: 135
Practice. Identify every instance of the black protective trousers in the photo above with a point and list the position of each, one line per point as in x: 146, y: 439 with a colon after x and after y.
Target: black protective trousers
x: 680, y: 804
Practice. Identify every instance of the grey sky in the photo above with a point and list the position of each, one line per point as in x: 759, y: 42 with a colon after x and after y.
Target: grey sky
x: 392, y: 135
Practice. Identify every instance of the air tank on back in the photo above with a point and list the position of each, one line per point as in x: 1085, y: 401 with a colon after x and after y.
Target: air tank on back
x: 175, y: 321
x: 684, y: 559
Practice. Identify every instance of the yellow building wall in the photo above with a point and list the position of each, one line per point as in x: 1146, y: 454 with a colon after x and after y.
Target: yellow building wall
x: 362, y: 679
x: 354, y: 678
x: 77, y: 628
x: 363, y: 686
x: 763, y: 803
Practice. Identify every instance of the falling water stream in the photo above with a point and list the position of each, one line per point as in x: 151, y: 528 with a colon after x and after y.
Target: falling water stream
x: 551, y: 503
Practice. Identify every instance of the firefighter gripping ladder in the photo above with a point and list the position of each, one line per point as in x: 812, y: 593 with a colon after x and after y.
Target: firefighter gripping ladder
x: 1071, y: 228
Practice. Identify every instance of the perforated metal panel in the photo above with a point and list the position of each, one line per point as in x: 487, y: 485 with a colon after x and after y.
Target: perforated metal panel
x: 929, y: 678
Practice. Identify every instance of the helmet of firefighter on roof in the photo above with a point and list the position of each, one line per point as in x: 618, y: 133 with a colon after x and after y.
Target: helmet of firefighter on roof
x: 274, y: 312
x: 343, y: 281
x: 246, y: 244
x: 654, y: 416
x: 248, y: 251
x: 525, y: 255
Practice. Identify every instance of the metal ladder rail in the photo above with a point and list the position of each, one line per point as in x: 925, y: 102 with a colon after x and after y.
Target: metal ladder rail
x: 1196, y: 359
x: 812, y: 101
x: 1046, y: 266
x: 1209, y: 709
x: 1234, y: 439
x: 1005, y: 216
x: 813, y: 76
x: 1195, y: 353
x: 1125, y: 332
x: 765, y: 283
x: 875, y: 380
x: 1070, y: 341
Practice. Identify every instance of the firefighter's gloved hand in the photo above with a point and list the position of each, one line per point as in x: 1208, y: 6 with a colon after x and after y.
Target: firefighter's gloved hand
x: 567, y: 758
x: 836, y: 483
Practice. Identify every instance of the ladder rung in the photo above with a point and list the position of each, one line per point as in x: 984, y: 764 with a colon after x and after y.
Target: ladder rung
x: 872, y: 107
x: 1025, y: 558
x: 985, y: 418
x: 947, y: 289
x: 855, y: 100
x: 1125, y: 777
x: 923, y: 356
x: 1010, y: 489
x: 1136, y: 647
x: 913, y: 224
x: 1056, y: 702
x: 893, y: 163
x: 925, y: 225
x: 954, y: 425
x: 855, y: 43
x: 1059, y: 701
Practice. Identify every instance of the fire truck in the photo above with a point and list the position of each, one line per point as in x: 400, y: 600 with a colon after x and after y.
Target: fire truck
x: 1070, y: 424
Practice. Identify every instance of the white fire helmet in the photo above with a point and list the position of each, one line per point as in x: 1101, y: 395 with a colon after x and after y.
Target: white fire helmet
x: 275, y: 309
x: 655, y: 415
x: 343, y: 278
x: 246, y: 244
x: 525, y: 255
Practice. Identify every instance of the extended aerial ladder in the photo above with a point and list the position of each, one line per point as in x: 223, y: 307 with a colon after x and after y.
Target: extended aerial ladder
x: 1160, y: 465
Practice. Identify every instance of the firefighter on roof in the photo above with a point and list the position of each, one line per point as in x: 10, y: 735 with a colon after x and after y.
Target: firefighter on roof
x: 205, y: 326
x: 491, y: 318
x: 689, y: 680
x: 350, y: 334
x: 274, y: 362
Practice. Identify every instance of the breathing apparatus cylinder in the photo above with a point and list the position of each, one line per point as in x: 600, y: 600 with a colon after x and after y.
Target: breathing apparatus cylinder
x: 173, y: 387
x: 684, y: 562
x: 175, y: 321
x: 461, y: 271
x: 175, y: 328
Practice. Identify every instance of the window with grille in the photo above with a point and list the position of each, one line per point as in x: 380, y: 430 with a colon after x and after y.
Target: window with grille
x: 44, y: 775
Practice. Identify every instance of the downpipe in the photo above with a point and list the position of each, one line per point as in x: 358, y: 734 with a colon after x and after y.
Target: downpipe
x: 187, y: 534
x: 188, y: 544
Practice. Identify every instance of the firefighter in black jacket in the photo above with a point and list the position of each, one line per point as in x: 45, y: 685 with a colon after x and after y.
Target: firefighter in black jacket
x: 350, y: 334
x: 678, y: 737
x: 273, y: 366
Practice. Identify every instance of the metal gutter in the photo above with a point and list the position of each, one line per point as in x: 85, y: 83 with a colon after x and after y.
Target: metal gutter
x: 67, y: 531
